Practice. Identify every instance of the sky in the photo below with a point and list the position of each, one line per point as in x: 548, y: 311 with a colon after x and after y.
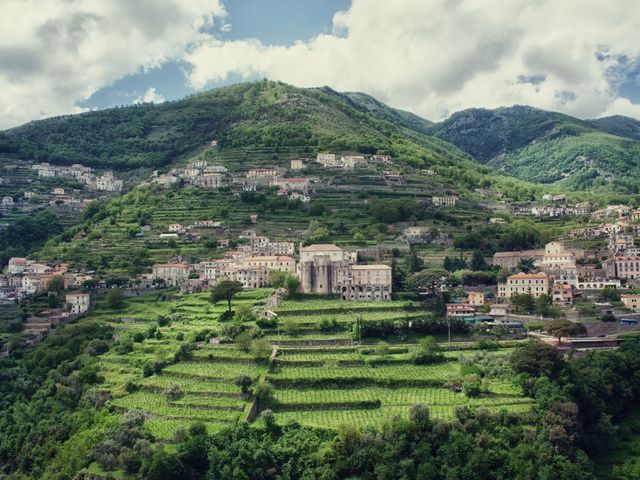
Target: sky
x: 431, y: 57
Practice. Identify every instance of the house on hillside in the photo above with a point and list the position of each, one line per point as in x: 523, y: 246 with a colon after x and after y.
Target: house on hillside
x: 448, y: 201
x: 534, y: 284
x: 78, y: 303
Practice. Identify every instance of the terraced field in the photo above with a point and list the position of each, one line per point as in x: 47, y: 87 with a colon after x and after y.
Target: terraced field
x: 319, y: 379
x: 330, y: 384
x: 205, y: 378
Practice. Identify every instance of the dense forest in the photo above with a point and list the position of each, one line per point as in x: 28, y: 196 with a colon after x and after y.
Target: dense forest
x: 53, y: 422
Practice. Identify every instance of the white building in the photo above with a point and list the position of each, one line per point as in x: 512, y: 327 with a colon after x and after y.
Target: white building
x: 448, y: 201
x: 78, y: 303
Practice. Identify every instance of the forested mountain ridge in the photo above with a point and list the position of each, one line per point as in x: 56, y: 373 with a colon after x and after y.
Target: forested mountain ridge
x: 520, y: 141
x: 548, y: 147
x: 265, y: 113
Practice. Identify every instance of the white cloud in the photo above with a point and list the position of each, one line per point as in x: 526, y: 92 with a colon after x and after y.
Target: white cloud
x: 432, y: 57
x: 150, y: 96
x: 438, y: 56
x: 54, y: 53
x: 622, y: 106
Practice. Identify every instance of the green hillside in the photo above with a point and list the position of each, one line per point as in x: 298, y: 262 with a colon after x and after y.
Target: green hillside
x: 548, y: 147
x: 268, y: 114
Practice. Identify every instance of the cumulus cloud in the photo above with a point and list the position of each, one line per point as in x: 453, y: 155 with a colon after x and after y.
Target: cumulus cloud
x: 150, y: 96
x: 438, y: 56
x: 433, y: 57
x: 56, y: 53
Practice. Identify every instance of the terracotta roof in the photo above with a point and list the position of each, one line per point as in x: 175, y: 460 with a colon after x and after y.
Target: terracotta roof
x: 521, y: 253
x: 281, y: 258
x: 527, y: 275
x: 321, y: 247
x: 370, y: 267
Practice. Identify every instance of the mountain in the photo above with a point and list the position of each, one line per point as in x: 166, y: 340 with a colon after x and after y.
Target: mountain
x: 368, y: 104
x: 619, y: 125
x: 267, y: 114
x: 547, y: 147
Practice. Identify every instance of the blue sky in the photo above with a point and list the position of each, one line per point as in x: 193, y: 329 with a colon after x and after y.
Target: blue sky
x: 272, y: 22
x: 431, y: 57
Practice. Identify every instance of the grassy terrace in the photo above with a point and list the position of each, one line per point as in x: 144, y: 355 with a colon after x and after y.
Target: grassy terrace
x: 330, y: 385
x: 319, y: 379
x: 206, y: 379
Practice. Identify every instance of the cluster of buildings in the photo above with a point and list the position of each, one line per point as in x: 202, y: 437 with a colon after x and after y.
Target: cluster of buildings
x: 321, y: 268
x: 198, y: 173
x: 349, y: 162
x: 557, y: 268
x: 86, y: 175
x: 23, y: 278
x: 202, y: 175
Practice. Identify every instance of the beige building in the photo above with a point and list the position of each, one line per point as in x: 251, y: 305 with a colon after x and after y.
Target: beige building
x: 78, y: 302
x: 476, y: 299
x: 297, y: 164
x: 510, y: 260
x: 208, y: 180
x: 171, y: 273
x: 108, y: 183
x: 631, y: 301
x: 367, y: 282
x: 534, y: 284
x: 280, y: 263
x: 262, y: 173
x: 556, y: 257
x: 329, y: 269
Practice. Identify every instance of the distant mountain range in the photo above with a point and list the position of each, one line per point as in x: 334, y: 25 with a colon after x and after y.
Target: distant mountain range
x: 548, y: 147
x: 524, y: 142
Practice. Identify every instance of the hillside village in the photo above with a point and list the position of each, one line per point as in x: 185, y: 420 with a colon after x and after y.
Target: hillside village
x: 264, y: 262
x: 563, y: 276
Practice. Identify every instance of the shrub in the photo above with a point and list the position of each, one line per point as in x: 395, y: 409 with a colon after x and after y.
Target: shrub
x: 96, y: 347
x: 173, y: 392
x: 382, y: 348
x: 244, y: 341
x: 428, y: 351
x: 261, y: 349
x: 267, y: 322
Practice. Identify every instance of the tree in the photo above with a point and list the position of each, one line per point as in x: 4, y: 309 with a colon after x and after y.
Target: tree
x: 244, y: 341
x: 413, y: 263
x: 608, y: 317
x: 430, y: 279
x: 244, y: 313
x: 537, y: 359
x: 56, y: 284
x: 115, y: 298
x: 52, y: 300
x: 526, y: 264
x: 292, y: 284
x: 290, y: 327
x: 428, y: 351
x: 564, y: 328
x: 264, y: 393
x: 478, y: 262
x: 523, y: 303
x: 226, y: 290
x: 541, y: 306
x: 261, y: 349
x: 244, y: 382
x: 610, y: 295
